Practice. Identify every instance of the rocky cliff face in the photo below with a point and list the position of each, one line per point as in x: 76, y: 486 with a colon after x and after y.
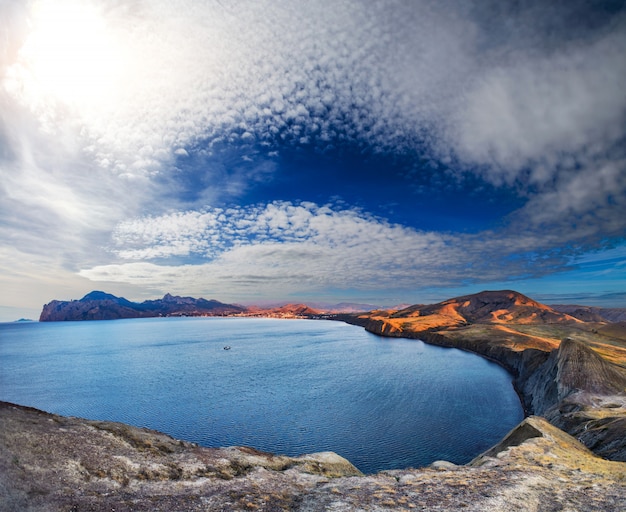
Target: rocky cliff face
x: 104, y: 306
x: 590, y: 400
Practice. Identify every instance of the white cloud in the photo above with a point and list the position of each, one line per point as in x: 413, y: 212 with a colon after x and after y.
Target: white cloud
x: 281, y: 247
x: 211, y: 232
x: 388, y: 75
x: 536, y: 109
x: 583, y: 207
x: 278, y: 246
x: 245, y: 73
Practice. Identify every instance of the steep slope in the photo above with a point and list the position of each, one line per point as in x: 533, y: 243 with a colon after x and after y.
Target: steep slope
x: 587, y: 399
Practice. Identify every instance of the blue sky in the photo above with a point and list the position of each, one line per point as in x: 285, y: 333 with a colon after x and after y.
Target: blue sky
x: 379, y: 152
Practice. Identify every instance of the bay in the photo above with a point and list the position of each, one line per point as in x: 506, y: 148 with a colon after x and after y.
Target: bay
x: 284, y: 386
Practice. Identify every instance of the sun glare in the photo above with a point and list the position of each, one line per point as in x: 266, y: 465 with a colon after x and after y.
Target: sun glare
x: 69, y: 53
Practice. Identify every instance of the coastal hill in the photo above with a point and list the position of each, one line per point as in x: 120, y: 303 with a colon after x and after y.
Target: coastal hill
x: 488, y: 307
x: 286, y: 311
x: 492, y: 320
x: 98, y: 305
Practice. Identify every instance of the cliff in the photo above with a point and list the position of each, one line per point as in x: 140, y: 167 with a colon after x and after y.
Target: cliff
x: 578, y: 384
x: 104, y: 306
x: 56, y: 463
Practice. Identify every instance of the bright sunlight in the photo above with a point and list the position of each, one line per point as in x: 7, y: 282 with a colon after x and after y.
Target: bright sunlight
x: 69, y: 54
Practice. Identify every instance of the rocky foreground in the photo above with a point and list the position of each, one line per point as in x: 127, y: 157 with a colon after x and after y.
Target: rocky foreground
x: 569, y: 371
x: 50, y: 463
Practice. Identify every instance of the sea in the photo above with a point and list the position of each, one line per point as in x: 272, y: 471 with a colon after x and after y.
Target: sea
x: 283, y: 386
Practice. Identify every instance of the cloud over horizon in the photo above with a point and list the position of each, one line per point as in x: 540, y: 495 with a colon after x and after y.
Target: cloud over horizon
x: 289, y: 247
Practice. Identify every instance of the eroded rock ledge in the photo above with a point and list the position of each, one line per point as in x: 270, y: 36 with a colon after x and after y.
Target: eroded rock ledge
x: 55, y: 463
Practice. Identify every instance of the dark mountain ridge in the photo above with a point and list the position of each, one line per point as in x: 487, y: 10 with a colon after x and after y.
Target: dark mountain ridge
x: 99, y: 305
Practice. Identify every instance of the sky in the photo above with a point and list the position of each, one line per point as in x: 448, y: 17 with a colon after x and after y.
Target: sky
x: 381, y: 152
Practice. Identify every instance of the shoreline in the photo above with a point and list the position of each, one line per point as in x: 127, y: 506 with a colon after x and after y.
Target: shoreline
x: 406, y: 433
x: 592, y: 409
x: 512, y: 370
x: 537, y: 379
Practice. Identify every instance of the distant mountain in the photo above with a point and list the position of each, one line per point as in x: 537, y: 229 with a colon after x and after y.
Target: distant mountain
x: 592, y: 313
x: 99, y: 305
x: 320, y: 307
x: 342, y: 307
x: 283, y: 311
x: 97, y: 295
x: 297, y: 310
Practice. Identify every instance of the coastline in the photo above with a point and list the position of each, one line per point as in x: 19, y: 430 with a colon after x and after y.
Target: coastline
x: 592, y: 409
x: 440, y: 341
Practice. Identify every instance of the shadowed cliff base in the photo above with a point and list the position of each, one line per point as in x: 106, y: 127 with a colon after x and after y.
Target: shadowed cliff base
x: 55, y: 463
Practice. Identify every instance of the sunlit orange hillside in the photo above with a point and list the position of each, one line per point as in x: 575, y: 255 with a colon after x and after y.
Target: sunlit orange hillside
x: 502, y: 318
x: 489, y: 307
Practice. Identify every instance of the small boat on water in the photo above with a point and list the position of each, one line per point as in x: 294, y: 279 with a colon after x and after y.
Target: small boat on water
x: 227, y: 347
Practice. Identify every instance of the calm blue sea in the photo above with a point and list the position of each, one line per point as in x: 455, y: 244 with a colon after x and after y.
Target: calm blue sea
x: 285, y: 386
